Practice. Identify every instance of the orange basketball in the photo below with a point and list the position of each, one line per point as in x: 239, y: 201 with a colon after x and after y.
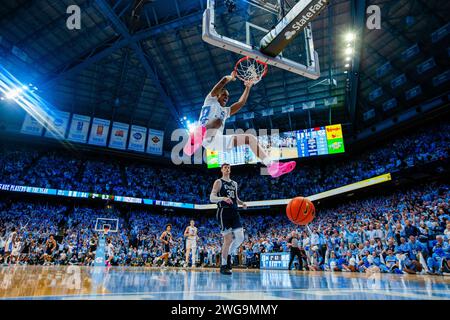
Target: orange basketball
x: 300, y: 211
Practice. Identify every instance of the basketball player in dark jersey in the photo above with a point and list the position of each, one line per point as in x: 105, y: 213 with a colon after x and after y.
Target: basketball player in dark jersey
x: 50, y: 246
x: 224, y: 193
x: 166, y: 239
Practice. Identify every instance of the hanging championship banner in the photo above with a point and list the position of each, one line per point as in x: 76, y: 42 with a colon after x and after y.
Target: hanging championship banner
x: 119, y: 135
x: 308, y: 105
x: 79, y: 128
x: 99, y: 132
x: 330, y: 101
x: 57, y: 124
x: 286, y: 109
x: 31, y: 126
x: 155, y: 142
x: 137, y: 138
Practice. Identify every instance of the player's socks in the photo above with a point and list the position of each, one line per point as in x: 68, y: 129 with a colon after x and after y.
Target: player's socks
x: 195, y: 140
x: 229, y: 264
x: 277, y: 169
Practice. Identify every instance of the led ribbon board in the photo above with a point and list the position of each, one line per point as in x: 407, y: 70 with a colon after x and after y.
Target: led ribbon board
x: 291, y: 25
x: 333, y: 192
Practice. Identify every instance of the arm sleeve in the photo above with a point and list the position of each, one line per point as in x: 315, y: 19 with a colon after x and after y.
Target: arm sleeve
x: 213, y: 196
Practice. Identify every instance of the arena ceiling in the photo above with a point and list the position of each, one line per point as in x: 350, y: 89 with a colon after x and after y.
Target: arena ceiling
x: 144, y: 61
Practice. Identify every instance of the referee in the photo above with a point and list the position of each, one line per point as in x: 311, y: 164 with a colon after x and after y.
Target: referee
x: 295, y: 250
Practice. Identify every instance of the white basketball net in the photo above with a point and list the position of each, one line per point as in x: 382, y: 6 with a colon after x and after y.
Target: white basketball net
x: 250, y: 69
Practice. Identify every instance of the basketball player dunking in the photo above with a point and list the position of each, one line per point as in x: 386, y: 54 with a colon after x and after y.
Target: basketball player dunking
x: 191, y: 243
x: 166, y: 239
x: 224, y: 193
x: 209, y: 132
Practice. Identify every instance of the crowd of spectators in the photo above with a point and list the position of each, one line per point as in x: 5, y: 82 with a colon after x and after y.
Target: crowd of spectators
x: 109, y: 176
x: 405, y: 232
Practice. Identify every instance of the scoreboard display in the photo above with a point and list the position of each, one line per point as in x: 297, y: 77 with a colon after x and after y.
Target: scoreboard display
x: 288, y: 145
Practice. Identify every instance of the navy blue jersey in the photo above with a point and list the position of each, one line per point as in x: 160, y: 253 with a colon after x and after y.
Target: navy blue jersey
x: 228, y: 189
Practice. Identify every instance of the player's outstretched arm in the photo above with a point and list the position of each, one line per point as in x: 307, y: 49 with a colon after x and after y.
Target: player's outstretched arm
x: 235, y: 107
x: 215, y: 92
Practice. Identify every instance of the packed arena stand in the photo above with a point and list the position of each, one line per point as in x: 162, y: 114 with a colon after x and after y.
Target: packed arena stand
x: 58, y: 170
x: 405, y: 232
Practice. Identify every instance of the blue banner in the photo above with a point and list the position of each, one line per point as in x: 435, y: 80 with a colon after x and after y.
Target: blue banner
x: 369, y: 114
x: 441, y: 78
x: 155, y: 142
x: 375, y: 94
x: 426, y: 65
x: 414, y: 92
x: 440, y: 33
x: 390, y: 104
x: 31, y: 126
x: 79, y: 128
x: 384, y: 69
x: 57, y: 124
x: 138, y: 135
x: 99, y: 132
x: 410, y: 52
x: 398, y: 81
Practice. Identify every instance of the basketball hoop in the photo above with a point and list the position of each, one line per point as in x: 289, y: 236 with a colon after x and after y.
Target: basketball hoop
x: 249, y: 69
x: 105, y: 229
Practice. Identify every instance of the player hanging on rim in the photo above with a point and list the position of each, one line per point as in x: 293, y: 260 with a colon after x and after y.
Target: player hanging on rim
x: 211, y: 124
x: 224, y: 193
x: 191, y: 243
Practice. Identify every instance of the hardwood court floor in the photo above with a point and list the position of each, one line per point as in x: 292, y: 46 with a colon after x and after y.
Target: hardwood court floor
x: 73, y: 282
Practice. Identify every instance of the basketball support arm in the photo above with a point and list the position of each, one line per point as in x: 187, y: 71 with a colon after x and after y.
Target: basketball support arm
x: 210, y: 35
x: 291, y: 25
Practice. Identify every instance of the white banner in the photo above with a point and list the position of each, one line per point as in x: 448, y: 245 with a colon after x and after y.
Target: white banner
x: 267, y: 112
x: 308, y: 105
x: 119, y: 135
x: 287, y: 109
x: 330, y: 101
x: 31, y: 126
x: 137, y: 138
x: 57, y: 124
x: 99, y: 132
x: 79, y: 128
x: 155, y: 142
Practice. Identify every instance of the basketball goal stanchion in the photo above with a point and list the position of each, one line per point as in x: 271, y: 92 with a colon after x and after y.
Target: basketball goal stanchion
x: 103, y: 226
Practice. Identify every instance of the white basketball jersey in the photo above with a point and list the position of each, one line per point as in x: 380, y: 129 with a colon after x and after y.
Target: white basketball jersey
x: 192, y: 231
x: 110, y: 249
x: 11, y: 236
x: 212, y: 110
